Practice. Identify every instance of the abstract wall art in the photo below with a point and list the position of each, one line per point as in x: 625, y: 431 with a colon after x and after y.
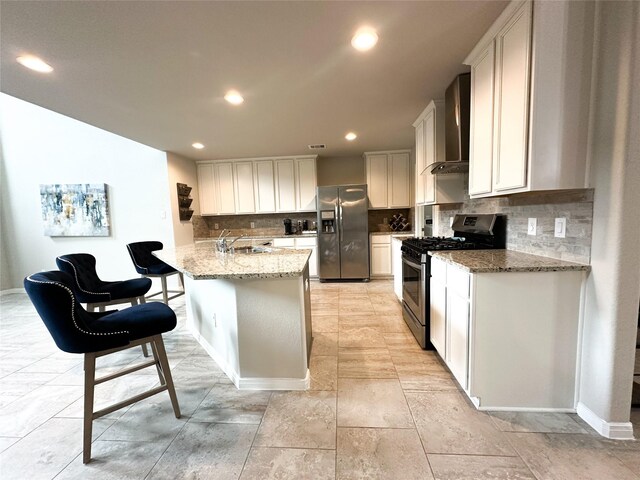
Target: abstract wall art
x: 75, y: 210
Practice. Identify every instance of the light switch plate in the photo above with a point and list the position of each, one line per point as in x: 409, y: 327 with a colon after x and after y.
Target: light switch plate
x: 532, y: 226
x: 253, y: 224
x: 216, y: 226
x: 560, y: 229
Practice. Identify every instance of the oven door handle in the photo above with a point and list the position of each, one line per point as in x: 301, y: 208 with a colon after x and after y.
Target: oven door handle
x: 417, y: 266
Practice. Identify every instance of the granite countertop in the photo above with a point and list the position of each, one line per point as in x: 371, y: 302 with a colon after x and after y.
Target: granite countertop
x: 489, y: 261
x: 259, y: 235
x: 394, y: 234
x: 200, y: 261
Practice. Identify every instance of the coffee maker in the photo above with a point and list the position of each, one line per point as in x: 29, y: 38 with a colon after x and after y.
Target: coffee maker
x: 288, y: 228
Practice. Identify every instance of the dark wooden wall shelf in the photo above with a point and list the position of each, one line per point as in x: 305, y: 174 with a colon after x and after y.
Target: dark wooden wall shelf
x: 184, y: 202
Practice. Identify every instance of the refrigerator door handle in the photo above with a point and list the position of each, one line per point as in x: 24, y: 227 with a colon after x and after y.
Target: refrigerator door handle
x: 340, y: 219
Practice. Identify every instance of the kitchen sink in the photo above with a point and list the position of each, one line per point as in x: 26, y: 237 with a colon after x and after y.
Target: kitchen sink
x: 253, y: 249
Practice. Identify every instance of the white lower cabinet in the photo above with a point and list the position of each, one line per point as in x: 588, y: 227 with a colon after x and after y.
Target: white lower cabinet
x: 380, y: 255
x: 438, y: 306
x: 396, y: 265
x: 302, y: 243
x: 509, y: 338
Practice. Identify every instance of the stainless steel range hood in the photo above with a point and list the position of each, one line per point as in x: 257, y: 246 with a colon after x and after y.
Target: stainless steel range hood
x: 456, y: 127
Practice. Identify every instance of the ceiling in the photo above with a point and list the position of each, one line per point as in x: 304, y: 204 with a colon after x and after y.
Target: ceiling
x: 156, y: 72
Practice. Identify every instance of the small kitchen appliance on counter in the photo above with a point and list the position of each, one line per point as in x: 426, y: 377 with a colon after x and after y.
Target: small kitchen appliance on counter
x: 288, y: 226
x: 471, y: 232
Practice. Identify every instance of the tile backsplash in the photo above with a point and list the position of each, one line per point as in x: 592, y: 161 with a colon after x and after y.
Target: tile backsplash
x: 575, y: 205
x: 264, y: 224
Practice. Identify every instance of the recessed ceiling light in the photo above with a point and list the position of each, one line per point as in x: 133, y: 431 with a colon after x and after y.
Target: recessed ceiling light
x: 364, y: 39
x: 351, y: 136
x: 234, y: 97
x: 34, y: 63
x: 197, y: 145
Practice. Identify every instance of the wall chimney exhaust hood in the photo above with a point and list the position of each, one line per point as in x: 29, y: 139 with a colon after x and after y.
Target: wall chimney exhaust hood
x: 456, y: 127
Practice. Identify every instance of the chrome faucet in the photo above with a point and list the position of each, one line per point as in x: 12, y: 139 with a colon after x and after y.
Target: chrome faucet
x: 225, y: 247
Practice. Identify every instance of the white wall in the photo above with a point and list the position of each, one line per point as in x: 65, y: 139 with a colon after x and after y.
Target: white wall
x: 182, y: 170
x: 5, y: 274
x: 43, y: 147
x: 613, y: 285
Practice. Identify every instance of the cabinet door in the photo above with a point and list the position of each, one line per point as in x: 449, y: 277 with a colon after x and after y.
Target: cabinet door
x: 243, y: 182
x: 206, y: 189
x: 438, y: 306
x: 396, y: 266
x: 513, y: 55
x: 481, y: 134
x: 458, y: 322
x: 429, y: 185
x: 399, y: 180
x: 306, y: 184
x: 312, y: 244
x: 420, y: 161
x: 429, y: 124
x: 264, y: 187
x: 380, y: 259
x: 285, y: 185
x: 377, y: 180
x: 223, y: 174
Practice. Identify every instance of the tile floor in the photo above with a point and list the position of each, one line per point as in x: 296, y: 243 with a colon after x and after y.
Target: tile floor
x: 379, y: 408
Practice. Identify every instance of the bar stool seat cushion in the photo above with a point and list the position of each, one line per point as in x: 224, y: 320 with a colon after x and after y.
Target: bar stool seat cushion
x: 160, y: 269
x: 140, y: 321
x: 135, y: 287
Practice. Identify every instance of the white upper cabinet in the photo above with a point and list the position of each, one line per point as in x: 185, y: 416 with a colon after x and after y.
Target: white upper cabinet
x: 285, y: 185
x: 306, y: 184
x: 377, y: 181
x: 530, y: 93
x: 513, y: 53
x: 264, y: 185
x: 481, y: 133
x: 224, y: 188
x: 244, y: 188
x: 206, y: 190
x: 264, y: 188
x: 430, y: 144
x: 389, y: 179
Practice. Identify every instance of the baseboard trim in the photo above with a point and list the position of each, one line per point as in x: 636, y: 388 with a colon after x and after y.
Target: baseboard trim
x: 9, y: 291
x: 612, y: 430
x: 252, y: 383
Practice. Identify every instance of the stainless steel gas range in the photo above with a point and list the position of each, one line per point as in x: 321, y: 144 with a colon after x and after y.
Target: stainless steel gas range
x: 471, y: 232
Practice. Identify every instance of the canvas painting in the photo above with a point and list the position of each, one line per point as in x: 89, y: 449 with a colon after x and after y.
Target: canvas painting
x: 75, y: 210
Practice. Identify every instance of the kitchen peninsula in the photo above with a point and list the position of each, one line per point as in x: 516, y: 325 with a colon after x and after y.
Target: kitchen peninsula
x: 250, y: 311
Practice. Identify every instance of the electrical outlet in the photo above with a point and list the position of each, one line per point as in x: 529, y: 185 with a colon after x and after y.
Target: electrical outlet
x: 531, y: 226
x: 215, y: 321
x: 384, y: 220
x: 560, y: 229
x: 216, y: 226
x: 163, y: 214
x: 253, y: 224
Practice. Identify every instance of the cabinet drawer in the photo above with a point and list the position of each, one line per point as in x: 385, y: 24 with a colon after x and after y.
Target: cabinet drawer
x: 284, y: 242
x: 458, y: 280
x: 305, y: 242
x: 386, y: 239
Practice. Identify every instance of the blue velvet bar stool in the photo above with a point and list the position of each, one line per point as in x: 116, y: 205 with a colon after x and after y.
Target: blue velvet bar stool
x: 96, y: 293
x: 148, y: 265
x: 96, y: 334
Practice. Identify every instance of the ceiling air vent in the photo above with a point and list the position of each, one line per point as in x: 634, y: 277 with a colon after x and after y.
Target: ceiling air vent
x: 317, y: 146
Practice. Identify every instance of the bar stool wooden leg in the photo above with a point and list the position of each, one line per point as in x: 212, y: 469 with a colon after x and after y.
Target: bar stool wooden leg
x: 156, y: 357
x: 89, y: 378
x: 165, y: 295
x: 164, y: 364
x: 145, y: 350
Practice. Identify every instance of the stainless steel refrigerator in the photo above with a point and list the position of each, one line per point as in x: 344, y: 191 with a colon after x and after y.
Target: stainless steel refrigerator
x: 343, y: 232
